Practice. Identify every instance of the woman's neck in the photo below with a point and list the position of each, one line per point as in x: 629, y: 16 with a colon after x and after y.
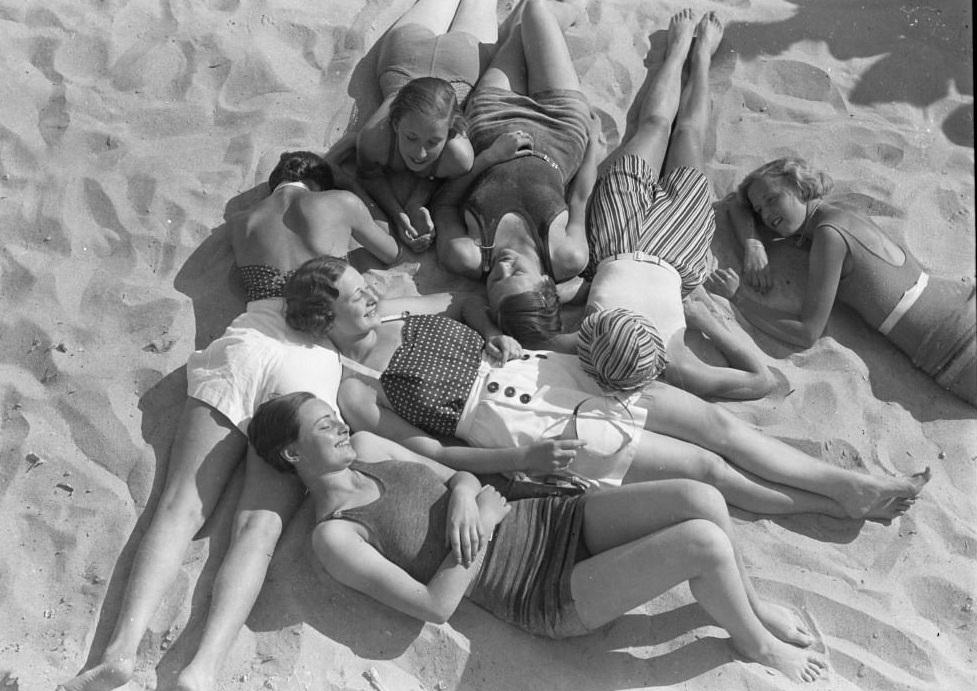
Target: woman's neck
x: 331, y: 490
x: 512, y: 234
x: 355, y: 346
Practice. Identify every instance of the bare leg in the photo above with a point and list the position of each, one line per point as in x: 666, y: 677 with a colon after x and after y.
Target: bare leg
x: 678, y: 414
x: 661, y: 457
x: 637, y: 510
x: 267, y: 503
x: 204, y: 437
x: 436, y: 15
x: 624, y: 574
x: 536, y: 40
x: 477, y: 17
x: 661, y: 98
x: 685, y: 147
x: 547, y: 55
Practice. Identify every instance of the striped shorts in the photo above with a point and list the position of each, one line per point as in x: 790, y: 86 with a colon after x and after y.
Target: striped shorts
x: 672, y: 218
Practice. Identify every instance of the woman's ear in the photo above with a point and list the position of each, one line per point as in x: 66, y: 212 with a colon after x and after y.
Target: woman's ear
x: 291, y: 455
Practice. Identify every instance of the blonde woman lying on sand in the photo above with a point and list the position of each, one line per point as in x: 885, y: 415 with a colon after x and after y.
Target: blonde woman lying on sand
x: 931, y: 319
x: 650, y: 223
x: 417, y: 376
x: 257, y: 355
x: 419, y: 537
x: 428, y: 63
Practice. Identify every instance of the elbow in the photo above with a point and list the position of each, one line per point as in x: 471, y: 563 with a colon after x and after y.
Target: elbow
x: 438, y: 617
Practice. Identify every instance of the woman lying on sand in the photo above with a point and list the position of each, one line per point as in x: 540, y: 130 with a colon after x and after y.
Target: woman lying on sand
x: 523, y: 220
x: 257, y: 355
x: 556, y: 567
x: 415, y: 376
x: 428, y: 63
x: 653, y: 231
x: 931, y: 319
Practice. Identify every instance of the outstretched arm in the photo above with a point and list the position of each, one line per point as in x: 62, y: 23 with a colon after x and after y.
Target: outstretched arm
x: 828, y: 252
x: 363, y: 411
x: 747, y: 377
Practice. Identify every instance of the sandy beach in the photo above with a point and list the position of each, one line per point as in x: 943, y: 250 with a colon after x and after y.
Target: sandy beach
x: 130, y: 129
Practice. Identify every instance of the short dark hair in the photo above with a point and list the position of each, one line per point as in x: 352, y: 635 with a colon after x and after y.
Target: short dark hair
x: 429, y: 96
x: 296, y: 166
x: 310, y: 292
x: 531, y: 317
x: 274, y: 426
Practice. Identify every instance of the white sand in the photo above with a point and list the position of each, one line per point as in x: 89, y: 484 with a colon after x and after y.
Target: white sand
x: 127, y: 128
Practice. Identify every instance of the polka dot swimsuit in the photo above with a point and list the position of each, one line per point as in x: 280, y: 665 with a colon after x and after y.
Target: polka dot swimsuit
x: 432, y: 372
x: 263, y: 281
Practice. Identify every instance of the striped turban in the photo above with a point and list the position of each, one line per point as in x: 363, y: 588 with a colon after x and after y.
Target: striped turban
x: 621, y: 349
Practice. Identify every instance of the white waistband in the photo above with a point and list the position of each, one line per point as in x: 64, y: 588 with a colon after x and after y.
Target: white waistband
x: 643, y: 257
x: 907, y: 300
x: 474, y: 396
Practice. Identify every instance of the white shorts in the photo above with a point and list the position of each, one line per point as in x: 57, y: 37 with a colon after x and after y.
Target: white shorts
x: 512, y: 406
x: 258, y: 357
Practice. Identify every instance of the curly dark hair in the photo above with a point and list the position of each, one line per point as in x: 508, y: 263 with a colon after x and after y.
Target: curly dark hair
x: 310, y: 292
x: 296, y: 166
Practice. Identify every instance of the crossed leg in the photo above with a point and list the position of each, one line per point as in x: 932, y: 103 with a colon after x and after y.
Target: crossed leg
x: 780, y: 469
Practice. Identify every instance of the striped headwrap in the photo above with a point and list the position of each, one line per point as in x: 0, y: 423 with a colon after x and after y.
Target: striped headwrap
x: 621, y: 349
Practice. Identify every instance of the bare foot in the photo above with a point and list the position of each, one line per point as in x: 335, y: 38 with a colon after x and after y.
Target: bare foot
x: 784, y: 623
x: 879, y: 498
x: 709, y: 32
x: 681, y: 30
x: 894, y: 508
x: 110, y: 674
x: 797, y: 664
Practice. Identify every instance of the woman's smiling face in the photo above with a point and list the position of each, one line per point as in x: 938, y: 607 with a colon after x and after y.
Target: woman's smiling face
x: 421, y: 139
x: 323, y: 438
x: 778, y: 206
x: 355, y: 308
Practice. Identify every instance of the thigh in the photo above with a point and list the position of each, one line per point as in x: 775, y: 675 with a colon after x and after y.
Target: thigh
x: 435, y: 15
x: 608, y: 584
x: 206, y: 450
x: 614, y: 517
x: 663, y: 457
x: 547, y: 57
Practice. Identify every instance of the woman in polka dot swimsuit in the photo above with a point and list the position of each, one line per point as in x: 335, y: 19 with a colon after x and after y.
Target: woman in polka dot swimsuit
x: 418, y: 378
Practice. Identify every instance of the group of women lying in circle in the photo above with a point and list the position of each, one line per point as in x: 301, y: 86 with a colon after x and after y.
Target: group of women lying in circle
x: 501, y: 188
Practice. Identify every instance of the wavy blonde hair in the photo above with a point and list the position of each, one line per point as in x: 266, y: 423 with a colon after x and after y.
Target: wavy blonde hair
x: 793, y: 172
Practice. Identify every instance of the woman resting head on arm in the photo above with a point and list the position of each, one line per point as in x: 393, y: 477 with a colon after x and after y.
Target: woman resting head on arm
x: 419, y: 537
x: 930, y: 318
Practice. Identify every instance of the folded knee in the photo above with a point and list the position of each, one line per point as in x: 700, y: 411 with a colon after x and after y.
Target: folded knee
x: 708, y: 544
